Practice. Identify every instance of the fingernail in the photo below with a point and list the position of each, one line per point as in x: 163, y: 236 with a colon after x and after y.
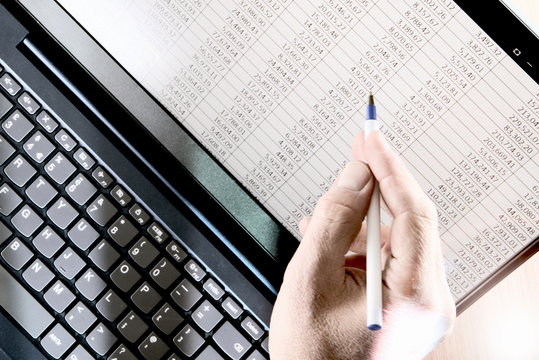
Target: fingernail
x: 354, y: 176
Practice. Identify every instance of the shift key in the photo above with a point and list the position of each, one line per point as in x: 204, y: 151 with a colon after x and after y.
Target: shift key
x: 22, y: 306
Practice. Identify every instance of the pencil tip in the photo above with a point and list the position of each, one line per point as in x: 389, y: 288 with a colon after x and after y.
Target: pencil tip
x: 371, y: 99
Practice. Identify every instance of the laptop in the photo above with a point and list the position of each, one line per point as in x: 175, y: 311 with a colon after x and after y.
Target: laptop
x: 152, y: 178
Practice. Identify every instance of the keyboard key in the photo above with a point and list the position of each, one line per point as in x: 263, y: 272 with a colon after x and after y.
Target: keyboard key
x: 17, y: 126
x: 48, y: 242
x: 10, y: 84
x: 59, y: 297
x: 232, y: 307
x: 185, y: 295
x: 164, y: 273
x: 65, y: 140
x: 84, y: 159
x: 145, y: 298
x: 80, y: 318
x: 188, y: 340
x: 157, y: 232
x: 206, y: 316
x: 80, y: 189
x: 28, y: 103
x: 62, y: 213
x: 83, y: 234
x: 101, y: 210
x: 59, y: 168
x: 9, y: 199
x: 256, y: 355
x: 57, y: 341
x: 19, y: 170
x: 122, y: 353
x: 111, y: 306
x: 103, y: 177
x: 5, y: 232
x: 6, y: 150
x: 209, y: 353
x: 101, y: 339
x: 16, y: 254
x: 167, y: 319
x: 122, y: 231
x: 265, y: 345
x: 90, y: 284
x: 143, y: 252
x: 5, y: 105
x: 140, y: 215
x: 41, y: 192
x: 214, y: 289
x: 252, y: 328
x: 231, y: 341
x: 119, y: 194
x: 104, y: 255
x: 193, y: 269
x: 153, y: 347
x: 46, y: 121
x: 125, y: 276
x: 38, y: 147
x: 22, y: 306
x: 37, y: 275
x: 176, y: 251
x: 79, y: 353
x: 132, y: 327
x: 69, y: 263
x: 26, y: 220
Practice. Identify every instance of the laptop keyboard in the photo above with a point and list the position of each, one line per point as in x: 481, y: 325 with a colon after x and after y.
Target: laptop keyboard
x: 91, y: 273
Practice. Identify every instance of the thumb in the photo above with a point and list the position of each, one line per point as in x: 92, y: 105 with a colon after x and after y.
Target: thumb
x: 337, y: 219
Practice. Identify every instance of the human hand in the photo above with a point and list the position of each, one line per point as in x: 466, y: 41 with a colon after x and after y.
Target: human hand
x: 320, y: 312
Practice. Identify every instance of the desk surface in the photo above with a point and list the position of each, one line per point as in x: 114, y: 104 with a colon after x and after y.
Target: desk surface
x: 504, y: 323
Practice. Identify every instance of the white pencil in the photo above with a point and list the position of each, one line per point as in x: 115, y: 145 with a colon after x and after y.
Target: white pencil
x: 374, y: 256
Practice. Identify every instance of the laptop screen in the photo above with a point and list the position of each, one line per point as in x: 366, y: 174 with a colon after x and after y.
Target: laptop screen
x: 275, y: 90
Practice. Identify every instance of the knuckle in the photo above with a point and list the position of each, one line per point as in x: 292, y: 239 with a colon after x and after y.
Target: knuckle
x: 334, y: 210
x: 423, y: 216
x: 429, y: 210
